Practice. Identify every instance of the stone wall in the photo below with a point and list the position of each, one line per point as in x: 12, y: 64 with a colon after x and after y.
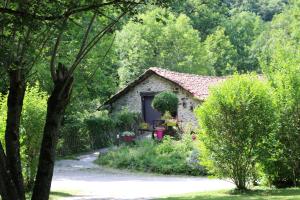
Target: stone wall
x: 132, y: 99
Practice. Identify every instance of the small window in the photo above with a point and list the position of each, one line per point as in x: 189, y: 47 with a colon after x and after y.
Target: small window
x: 175, y: 90
x: 184, y: 104
x: 192, y: 106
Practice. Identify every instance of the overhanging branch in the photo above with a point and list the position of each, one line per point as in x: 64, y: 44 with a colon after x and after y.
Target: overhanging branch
x: 67, y: 13
x: 53, y: 56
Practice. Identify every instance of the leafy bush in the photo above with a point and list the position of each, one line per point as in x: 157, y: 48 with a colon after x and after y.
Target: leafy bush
x: 74, y: 137
x: 237, y: 121
x: 283, y: 166
x: 126, y: 120
x: 167, y: 157
x: 166, y: 101
x: 101, y: 128
x: 32, y: 124
x: 86, y: 131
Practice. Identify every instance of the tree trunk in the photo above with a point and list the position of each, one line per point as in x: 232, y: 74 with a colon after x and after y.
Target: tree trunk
x: 57, y: 104
x: 8, y: 190
x: 12, y: 132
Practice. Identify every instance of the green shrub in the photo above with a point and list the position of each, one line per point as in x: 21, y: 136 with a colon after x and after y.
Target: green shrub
x: 166, y: 101
x: 283, y: 166
x: 74, y: 137
x: 85, y: 131
x: 167, y: 157
x: 238, y: 120
x: 126, y: 120
x: 101, y: 128
x: 32, y: 124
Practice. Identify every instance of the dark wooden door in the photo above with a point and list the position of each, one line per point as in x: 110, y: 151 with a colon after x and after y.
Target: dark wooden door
x: 150, y: 114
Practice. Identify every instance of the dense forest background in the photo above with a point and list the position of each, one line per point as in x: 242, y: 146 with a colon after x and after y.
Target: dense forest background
x: 207, y: 37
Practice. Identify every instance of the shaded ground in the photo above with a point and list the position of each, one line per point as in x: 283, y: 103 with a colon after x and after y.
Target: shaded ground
x: 86, y: 180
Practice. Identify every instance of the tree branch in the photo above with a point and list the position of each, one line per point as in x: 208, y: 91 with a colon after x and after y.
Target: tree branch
x: 43, y: 43
x: 85, y: 37
x: 89, y: 46
x: 93, y: 42
x: 53, y: 56
x: 68, y: 13
x: 105, y: 55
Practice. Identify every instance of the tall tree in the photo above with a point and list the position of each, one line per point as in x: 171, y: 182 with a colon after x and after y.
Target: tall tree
x: 205, y: 15
x: 243, y: 28
x: 25, y: 27
x: 266, y: 9
x: 221, y: 53
x: 280, y: 58
x: 163, y: 40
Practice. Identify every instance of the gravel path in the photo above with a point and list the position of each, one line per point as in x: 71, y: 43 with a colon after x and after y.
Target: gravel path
x: 86, y: 180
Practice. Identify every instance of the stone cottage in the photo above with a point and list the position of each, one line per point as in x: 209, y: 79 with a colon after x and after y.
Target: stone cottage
x: 137, y: 96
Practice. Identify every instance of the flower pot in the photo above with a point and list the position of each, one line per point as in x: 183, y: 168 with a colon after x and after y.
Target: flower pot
x: 159, y: 132
x: 194, y: 137
x: 128, y: 138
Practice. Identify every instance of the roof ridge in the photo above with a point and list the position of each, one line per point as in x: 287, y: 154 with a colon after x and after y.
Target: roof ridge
x: 158, y: 69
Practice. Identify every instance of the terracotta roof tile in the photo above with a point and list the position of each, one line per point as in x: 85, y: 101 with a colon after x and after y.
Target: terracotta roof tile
x: 195, y: 84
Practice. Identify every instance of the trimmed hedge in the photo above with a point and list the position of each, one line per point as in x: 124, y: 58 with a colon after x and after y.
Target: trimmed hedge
x: 166, y: 101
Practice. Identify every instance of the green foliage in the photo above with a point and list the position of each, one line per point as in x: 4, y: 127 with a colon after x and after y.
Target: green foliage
x: 259, y: 193
x: 166, y: 101
x: 74, y: 136
x: 163, y: 40
x: 3, y: 82
x: 85, y: 131
x: 126, y: 120
x: 205, y: 15
x: 32, y: 124
x: 3, y: 114
x: 264, y: 8
x: 101, y: 129
x: 168, y: 157
x: 238, y: 120
x: 243, y: 28
x: 280, y: 58
x: 221, y: 53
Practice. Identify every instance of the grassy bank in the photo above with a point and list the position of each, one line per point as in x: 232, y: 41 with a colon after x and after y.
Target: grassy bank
x: 56, y: 195
x: 258, y: 194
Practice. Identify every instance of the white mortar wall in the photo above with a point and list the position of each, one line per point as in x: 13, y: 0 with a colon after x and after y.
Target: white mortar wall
x: 132, y: 99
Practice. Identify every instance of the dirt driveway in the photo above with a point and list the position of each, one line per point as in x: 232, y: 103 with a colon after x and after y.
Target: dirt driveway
x: 86, y: 180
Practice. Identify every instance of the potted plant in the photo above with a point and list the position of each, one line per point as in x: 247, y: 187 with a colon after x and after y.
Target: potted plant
x: 144, y: 126
x: 159, y: 132
x: 128, y: 136
x: 166, y: 101
x: 169, y: 120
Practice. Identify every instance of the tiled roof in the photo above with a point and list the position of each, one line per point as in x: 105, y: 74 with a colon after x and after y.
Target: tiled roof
x: 195, y: 84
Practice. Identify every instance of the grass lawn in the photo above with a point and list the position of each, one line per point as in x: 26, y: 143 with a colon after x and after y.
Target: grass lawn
x: 258, y: 194
x: 56, y: 195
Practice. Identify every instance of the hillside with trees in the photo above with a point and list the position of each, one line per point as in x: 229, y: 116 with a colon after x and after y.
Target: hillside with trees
x: 76, y: 54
